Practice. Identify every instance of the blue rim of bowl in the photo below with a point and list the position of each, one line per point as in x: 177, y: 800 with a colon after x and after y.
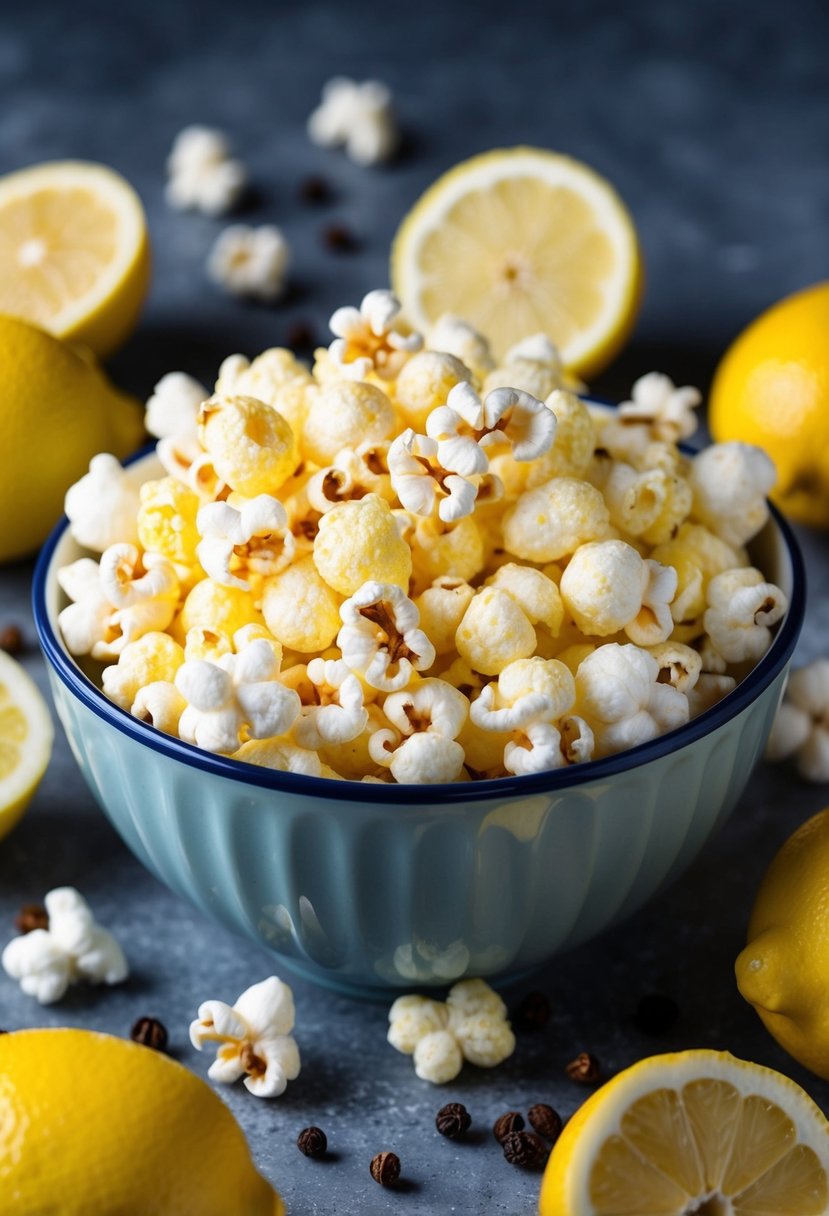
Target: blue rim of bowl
x: 502, y: 788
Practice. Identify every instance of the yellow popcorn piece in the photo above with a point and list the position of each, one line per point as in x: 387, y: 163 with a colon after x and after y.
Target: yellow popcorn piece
x: 450, y: 550
x: 454, y: 336
x: 161, y: 705
x: 167, y: 520
x: 552, y: 520
x: 359, y: 541
x: 218, y: 608
x: 300, y: 608
x: 263, y: 378
x: 441, y: 609
x: 536, y: 594
x: 344, y: 415
x: 155, y: 656
x: 252, y: 446
x: 424, y: 384
x: 494, y: 632
x: 201, y: 642
x: 602, y: 586
x: 280, y: 754
x: 574, y: 443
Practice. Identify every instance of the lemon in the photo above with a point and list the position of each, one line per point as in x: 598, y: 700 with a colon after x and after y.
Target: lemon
x: 58, y: 412
x: 520, y: 241
x: 25, y: 741
x: 772, y: 389
x: 694, y: 1132
x: 91, y: 1125
x: 74, y: 253
x: 782, y: 971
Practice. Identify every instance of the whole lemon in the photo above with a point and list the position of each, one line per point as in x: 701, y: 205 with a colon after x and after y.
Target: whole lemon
x: 58, y: 411
x: 782, y: 971
x: 772, y: 389
x: 91, y: 1125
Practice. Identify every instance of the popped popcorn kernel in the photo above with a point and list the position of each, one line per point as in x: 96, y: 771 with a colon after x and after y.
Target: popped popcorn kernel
x: 679, y: 665
x: 453, y: 336
x: 452, y: 550
x: 425, y: 382
x: 730, y: 482
x: 441, y: 609
x: 494, y: 631
x: 380, y: 639
x: 173, y: 407
x: 167, y: 520
x: 250, y: 261
x: 254, y: 1037
x: 532, y: 376
x: 300, y: 608
x: 159, y: 704
x: 471, y: 1025
x: 262, y: 378
x: 155, y: 656
x: 551, y: 521
x: 344, y: 415
x: 253, y: 448
x: 603, y: 585
x: 667, y: 412
x: 218, y: 608
x: 742, y: 607
x: 575, y: 440
x: 202, y: 175
x: 359, y: 541
x: 372, y: 338
x: 357, y: 116
x: 102, y: 506
x: 619, y: 695
x: 280, y: 755
x: 238, y: 545
x: 650, y: 505
x: 801, y: 728
x: 534, y: 591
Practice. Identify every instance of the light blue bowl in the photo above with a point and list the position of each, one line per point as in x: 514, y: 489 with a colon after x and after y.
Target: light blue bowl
x: 366, y: 888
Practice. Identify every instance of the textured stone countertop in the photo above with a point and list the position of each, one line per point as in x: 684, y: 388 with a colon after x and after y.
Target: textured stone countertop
x: 713, y: 122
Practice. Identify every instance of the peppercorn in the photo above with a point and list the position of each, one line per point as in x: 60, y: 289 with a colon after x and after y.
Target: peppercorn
x: 31, y: 916
x: 385, y: 1168
x: 585, y: 1069
x: 546, y: 1121
x: 312, y: 1142
x: 150, y: 1033
x: 525, y: 1148
x: 533, y: 1013
x: 507, y: 1123
x: 11, y: 639
x: 453, y: 1120
x: 314, y: 189
x: 339, y: 239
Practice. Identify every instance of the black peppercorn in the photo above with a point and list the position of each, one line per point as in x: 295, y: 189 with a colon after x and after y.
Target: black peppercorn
x: 150, y: 1033
x: 385, y: 1168
x: 585, y: 1069
x: 546, y: 1121
x: 525, y: 1148
x: 507, y: 1123
x: 312, y: 1142
x: 452, y: 1120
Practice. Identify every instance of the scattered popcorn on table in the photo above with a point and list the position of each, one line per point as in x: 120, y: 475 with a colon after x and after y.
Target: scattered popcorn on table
x: 358, y: 117
x: 73, y: 948
x: 471, y: 1025
x: 801, y: 728
x: 410, y: 565
x: 249, y: 261
x: 254, y: 1037
x: 202, y: 175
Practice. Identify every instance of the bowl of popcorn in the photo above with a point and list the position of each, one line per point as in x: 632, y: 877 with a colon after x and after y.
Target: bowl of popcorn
x: 415, y: 665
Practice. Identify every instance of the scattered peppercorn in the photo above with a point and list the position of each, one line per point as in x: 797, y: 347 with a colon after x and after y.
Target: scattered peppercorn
x: 11, y: 639
x: 312, y: 1142
x: 546, y: 1121
x: 533, y: 1013
x: 31, y: 916
x: 150, y: 1033
x: 585, y: 1069
x: 339, y: 239
x: 525, y: 1148
x: 301, y: 336
x: 656, y: 1014
x: 452, y: 1120
x: 507, y: 1123
x: 385, y: 1168
x: 314, y: 189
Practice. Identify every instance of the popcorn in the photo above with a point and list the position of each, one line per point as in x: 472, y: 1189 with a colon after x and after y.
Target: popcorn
x: 73, y: 948
x: 264, y: 378
x: 86, y: 623
x: 344, y: 415
x: 254, y: 539
x: 680, y: 666
x: 421, y: 484
x: 252, y: 446
x: 651, y: 505
x: 421, y: 747
x: 354, y: 473
x: 184, y: 458
x: 380, y: 639
x: 741, y: 609
x: 801, y: 728
x: 211, y: 605
x: 153, y: 657
x: 283, y: 758
x: 730, y: 482
x: 536, y: 594
x: 439, y: 549
x: 238, y: 697
x: 173, y: 409
x: 102, y: 506
x: 575, y: 441
x: 338, y: 714
x: 159, y: 704
x: 359, y: 541
x: 300, y: 608
x: 527, y: 690
x: 708, y: 691
x: 358, y: 117
x: 202, y: 176
x: 424, y: 383
x: 532, y: 365
x: 250, y: 261
x: 372, y: 338
x: 607, y: 587
x: 666, y: 411
x: 467, y: 425
x: 254, y: 1036
x: 167, y: 520
x: 441, y: 609
x: 618, y: 694
x: 494, y: 632
x: 551, y: 521
x: 453, y: 336
x: 471, y: 1025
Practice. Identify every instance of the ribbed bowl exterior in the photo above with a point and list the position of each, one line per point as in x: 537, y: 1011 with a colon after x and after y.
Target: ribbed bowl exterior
x: 361, y: 896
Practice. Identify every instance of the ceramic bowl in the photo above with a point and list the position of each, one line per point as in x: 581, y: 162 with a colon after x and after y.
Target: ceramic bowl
x: 376, y: 887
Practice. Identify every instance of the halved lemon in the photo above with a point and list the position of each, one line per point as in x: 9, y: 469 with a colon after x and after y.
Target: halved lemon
x: 26, y: 735
x: 74, y: 253
x: 695, y: 1132
x: 520, y: 241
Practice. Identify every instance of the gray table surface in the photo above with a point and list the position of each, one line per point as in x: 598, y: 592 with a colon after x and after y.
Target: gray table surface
x: 713, y: 122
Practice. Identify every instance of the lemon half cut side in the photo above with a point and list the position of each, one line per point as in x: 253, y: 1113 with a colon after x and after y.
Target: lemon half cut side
x: 696, y: 1132
x: 26, y: 735
x: 74, y: 253
x: 520, y: 241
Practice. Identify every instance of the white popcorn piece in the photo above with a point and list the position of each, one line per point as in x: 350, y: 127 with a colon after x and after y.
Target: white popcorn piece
x: 801, y: 728
x: 618, y: 694
x: 441, y: 609
x: 73, y: 948
x: 653, y: 622
x: 708, y: 691
x: 202, y: 175
x: 338, y: 714
x: 372, y: 337
x: 471, y: 1025
x: 159, y: 704
x: 667, y: 411
x: 604, y: 588
x: 184, y: 458
x: 380, y: 639
x: 730, y: 482
x: 494, y: 632
x: 421, y: 483
x: 679, y: 665
x: 353, y: 473
x: 254, y: 1037
x: 651, y: 504
x: 254, y: 538
x: 421, y: 747
x: 85, y: 624
x: 238, y: 696
x: 454, y: 336
x: 250, y: 261
x: 467, y: 425
x: 103, y: 505
x: 536, y: 594
x: 527, y: 691
x: 552, y: 520
x: 742, y: 607
x: 172, y: 410
x: 358, y: 117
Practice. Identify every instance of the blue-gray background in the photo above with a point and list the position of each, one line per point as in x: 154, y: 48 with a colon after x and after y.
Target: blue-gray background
x: 712, y: 119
